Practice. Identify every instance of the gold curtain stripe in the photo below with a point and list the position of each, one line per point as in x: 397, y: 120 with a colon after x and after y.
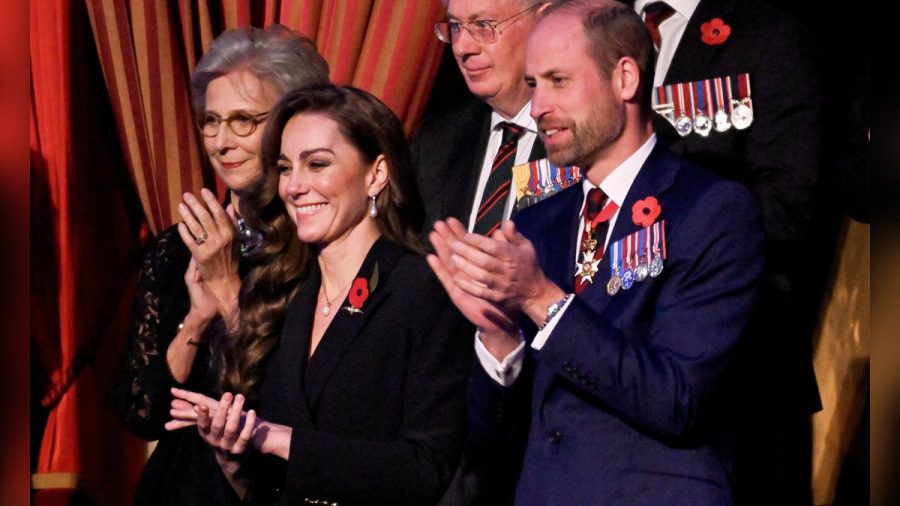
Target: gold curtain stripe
x: 115, y: 79
x: 169, y: 128
x: 42, y: 481
x: 206, y: 31
x: 391, y: 34
x: 231, y: 17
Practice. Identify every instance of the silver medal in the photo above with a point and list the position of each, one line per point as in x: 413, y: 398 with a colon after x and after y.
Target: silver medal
x: 641, y: 272
x: 656, y: 266
x: 721, y: 121
x: 684, y: 125
x: 702, y: 124
x: 627, y: 279
x: 741, y: 114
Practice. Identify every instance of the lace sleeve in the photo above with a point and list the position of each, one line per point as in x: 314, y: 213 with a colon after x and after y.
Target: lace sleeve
x: 161, y: 302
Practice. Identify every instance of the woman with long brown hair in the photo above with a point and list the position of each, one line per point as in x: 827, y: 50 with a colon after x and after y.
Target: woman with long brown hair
x: 190, y: 276
x: 348, y: 349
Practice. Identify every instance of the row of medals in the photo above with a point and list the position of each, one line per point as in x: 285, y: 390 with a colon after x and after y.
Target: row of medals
x: 639, y: 273
x: 548, y: 189
x: 740, y: 118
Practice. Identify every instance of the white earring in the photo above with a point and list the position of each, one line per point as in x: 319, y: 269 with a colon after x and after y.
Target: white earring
x: 373, y: 210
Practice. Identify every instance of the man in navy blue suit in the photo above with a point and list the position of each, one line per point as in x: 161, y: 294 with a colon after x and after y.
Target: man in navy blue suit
x: 616, y: 307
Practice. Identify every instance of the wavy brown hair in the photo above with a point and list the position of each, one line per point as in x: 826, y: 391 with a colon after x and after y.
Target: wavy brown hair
x: 283, y: 261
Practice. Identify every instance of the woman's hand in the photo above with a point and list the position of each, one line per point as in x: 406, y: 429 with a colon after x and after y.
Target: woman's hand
x: 182, y: 349
x: 228, y: 428
x: 225, y: 426
x: 204, y: 305
x: 209, y: 232
x: 182, y: 411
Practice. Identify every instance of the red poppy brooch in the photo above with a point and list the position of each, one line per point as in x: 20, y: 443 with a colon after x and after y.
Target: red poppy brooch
x: 714, y: 32
x: 644, y: 212
x: 359, y: 291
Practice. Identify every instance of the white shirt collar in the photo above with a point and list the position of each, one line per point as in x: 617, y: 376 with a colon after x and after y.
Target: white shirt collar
x: 685, y: 8
x: 523, y: 119
x: 619, y: 181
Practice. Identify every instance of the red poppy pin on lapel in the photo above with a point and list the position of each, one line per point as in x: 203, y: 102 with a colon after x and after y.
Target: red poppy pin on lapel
x: 359, y: 292
x: 644, y: 212
x: 714, y: 32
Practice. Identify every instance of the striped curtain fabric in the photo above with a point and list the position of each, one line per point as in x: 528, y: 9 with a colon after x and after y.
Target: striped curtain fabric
x: 148, y: 48
x: 84, y: 251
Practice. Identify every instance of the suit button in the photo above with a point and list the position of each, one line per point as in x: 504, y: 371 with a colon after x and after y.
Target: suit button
x: 554, y: 437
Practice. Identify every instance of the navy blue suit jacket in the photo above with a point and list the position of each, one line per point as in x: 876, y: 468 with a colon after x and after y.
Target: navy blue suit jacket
x: 629, y: 395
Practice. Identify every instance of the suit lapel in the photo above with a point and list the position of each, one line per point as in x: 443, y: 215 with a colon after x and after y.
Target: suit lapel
x: 561, y: 239
x: 475, y: 136
x: 693, y: 56
x: 293, y: 349
x: 346, y: 326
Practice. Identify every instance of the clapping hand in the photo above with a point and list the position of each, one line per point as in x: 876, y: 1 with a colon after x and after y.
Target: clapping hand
x: 484, y: 314
x: 209, y: 232
x: 223, y: 424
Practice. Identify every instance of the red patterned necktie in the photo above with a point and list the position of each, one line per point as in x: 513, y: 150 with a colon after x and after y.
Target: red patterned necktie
x: 654, y: 15
x: 496, y: 190
x: 596, y: 224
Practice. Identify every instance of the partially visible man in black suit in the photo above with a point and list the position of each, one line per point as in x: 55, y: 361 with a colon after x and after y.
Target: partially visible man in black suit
x: 465, y: 152
x: 777, y: 152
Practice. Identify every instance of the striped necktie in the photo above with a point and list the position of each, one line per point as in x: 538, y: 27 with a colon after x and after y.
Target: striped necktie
x: 496, y: 190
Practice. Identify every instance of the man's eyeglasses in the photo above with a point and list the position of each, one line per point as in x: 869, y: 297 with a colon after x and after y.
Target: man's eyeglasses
x: 241, y: 124
x: 482, y: 30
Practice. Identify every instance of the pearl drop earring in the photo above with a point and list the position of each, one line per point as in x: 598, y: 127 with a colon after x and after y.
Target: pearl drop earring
x: 373, y: 210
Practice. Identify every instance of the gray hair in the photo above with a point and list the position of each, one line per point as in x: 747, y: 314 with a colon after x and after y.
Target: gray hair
x: 275, y: 55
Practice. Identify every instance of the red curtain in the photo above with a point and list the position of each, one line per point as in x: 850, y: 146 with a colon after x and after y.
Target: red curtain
x: 113, y: 147
x: 84, y: 250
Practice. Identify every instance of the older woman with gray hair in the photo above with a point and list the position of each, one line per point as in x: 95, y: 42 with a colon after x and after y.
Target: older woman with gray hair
x: 191, y: 273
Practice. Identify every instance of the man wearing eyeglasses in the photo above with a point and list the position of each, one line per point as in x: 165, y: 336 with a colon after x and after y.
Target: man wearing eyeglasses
x: 465, y: 153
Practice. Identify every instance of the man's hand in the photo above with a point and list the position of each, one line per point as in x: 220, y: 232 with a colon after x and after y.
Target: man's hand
x: 503, y: 269
x: 487, y: 316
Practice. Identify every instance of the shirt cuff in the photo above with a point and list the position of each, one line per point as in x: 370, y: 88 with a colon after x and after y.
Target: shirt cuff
x: 540, y: 339
x: 504, y: 371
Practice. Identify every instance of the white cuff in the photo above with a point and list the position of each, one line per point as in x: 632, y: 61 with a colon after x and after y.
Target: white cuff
x: 541, y: 337
x: 504, y: 371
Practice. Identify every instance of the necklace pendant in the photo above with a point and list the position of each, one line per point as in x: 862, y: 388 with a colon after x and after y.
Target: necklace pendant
x: 326, y: 310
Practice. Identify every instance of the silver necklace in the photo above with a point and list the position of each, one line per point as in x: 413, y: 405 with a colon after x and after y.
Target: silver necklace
x: 326, y: 309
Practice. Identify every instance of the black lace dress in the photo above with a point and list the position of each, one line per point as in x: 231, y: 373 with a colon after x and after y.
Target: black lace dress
x: 182, y: 469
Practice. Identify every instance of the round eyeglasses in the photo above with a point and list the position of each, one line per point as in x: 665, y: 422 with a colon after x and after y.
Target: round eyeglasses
x: 242, y: 124
x: 482, y: 30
